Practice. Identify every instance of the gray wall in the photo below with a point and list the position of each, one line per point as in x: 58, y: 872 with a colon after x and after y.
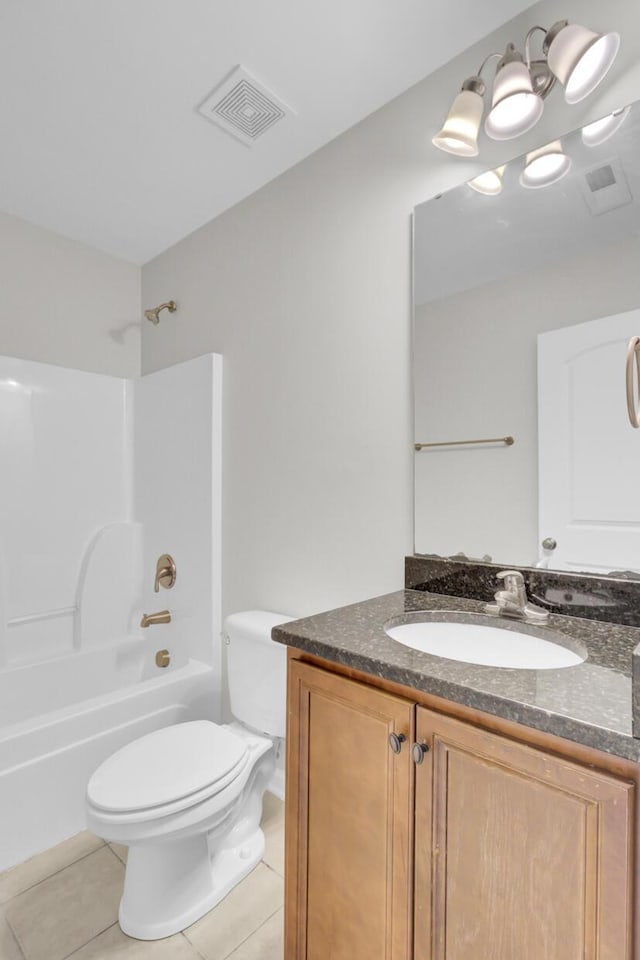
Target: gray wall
x: 65, y: 303
x: 485, y: 500
x: 305, y: 290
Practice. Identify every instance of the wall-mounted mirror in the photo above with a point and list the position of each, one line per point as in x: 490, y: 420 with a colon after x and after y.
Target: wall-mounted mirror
x: 525, y: 300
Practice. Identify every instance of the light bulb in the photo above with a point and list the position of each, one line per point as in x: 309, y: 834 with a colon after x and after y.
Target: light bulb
x: 489, y: 183
x: 600, y: 130
x: 545, y: 166
x: 579, y: 58
x: 459, y: 135
x: 515, y: 107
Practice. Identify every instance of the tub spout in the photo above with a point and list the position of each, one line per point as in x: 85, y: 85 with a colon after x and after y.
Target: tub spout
x: 149, y: 619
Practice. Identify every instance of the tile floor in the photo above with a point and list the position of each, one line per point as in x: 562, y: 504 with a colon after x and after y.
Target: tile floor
x: 64, y: 903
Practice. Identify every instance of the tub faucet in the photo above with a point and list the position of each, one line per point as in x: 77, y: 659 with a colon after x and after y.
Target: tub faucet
x: 149, y: 619
x: 513, y: 601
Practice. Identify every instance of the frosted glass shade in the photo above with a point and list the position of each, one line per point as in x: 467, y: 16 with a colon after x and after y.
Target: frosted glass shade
x: 545, y: 166
x: 489, y: 183
x: 515, y: 107
x: 459, y: 134
x: 581, y: 59
x: 600, y: 130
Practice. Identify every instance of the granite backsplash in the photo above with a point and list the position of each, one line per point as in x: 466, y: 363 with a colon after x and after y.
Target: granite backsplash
x: 608, y: 599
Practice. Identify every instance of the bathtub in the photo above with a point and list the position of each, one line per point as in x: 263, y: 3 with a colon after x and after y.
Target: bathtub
x: 60, y: 718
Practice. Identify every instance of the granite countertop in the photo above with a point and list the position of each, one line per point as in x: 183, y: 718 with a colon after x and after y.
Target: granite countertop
x: 590, y: 703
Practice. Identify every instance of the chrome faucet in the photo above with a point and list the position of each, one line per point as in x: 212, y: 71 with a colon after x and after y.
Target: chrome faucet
x: 512, y: 601
x: 149, y: 619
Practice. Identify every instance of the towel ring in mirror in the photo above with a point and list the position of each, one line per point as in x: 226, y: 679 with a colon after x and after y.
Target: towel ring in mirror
x: 633, y: 408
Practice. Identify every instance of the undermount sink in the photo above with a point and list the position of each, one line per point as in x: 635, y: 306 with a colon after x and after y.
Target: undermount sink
x: 510, y: 645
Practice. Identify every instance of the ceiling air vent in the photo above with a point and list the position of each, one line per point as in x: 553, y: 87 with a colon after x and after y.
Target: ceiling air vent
x: 601, y: 178
x: 243, y: 107
x: 605, y: 187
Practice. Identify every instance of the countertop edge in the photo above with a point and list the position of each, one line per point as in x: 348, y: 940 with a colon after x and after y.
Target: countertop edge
x: 598, y: 738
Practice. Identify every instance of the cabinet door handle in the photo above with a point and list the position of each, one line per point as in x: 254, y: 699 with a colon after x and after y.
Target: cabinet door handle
x: 418, y: 750
x: 396, y: 740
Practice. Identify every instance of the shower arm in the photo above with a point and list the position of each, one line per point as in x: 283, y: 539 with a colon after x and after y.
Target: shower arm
x: 154, y: 314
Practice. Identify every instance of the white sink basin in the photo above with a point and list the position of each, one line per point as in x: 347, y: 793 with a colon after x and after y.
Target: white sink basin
x: 492, y: 646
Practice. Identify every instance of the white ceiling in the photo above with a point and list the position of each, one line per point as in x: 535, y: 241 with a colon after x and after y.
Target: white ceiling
x: 101, y: 140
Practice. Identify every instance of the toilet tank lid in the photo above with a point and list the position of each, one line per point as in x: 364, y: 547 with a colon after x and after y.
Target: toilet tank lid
x: 254, y: 624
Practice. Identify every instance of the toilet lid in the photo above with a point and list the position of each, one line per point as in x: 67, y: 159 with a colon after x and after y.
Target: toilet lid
x: 165, y: 766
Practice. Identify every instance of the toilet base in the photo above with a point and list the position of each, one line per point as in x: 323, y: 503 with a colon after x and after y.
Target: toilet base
x: 171, y: 885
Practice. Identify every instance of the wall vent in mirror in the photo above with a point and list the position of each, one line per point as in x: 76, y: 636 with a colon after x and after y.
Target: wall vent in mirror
x: 601, y: 178
x: 605, y: 187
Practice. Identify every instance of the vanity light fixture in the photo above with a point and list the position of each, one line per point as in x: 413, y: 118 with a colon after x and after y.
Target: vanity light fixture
x: 545, y: 166
x: 488, y: 183
x: 574, y: 55
x: 600, y: 130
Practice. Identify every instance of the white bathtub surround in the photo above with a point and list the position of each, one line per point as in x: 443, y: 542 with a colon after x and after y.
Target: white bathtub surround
x: 177, y: 499
x: 110, y: 586
x: 78, y: 677
x: 64, y: 449
x: 187, y: 800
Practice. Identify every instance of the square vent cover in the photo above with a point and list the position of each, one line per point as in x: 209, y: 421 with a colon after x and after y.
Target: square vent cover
x: 243, y: 107
x: 605, y: 187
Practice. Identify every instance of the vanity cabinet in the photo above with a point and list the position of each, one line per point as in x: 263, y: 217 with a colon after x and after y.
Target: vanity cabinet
x: 518, y: 853
x: 348, y: 847
x: 487, y: 847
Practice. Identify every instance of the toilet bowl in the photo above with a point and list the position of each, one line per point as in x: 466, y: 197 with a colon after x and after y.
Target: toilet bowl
x: 187, y: 799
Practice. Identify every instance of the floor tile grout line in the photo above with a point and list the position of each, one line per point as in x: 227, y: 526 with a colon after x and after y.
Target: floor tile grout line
x: 5, y: 903
x: 90, y: 940
x: 192, y: 945
x: 273, y: 869
x: 259, y: 927
x: 15, y: 939
x: 123, y: 862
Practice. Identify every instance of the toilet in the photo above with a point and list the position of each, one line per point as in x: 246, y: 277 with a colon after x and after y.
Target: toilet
x: 187, y: 799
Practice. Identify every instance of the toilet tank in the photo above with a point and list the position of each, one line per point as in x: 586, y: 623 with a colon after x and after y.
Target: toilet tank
x: 257, y: 671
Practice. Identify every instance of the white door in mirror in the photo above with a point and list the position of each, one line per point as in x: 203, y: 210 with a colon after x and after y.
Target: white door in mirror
x: 588, y: 455
x: 486, y: 645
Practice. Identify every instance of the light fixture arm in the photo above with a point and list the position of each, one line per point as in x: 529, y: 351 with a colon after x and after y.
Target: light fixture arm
x: 476, y: 84
x: 527, y: 43
x: 486, y: 61
x: 558, y: 26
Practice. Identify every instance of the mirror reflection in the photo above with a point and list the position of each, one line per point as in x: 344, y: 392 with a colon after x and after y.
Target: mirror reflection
x: 527, y: 293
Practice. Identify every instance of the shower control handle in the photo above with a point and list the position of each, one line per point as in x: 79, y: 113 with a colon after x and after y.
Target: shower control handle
x: 166, y: 573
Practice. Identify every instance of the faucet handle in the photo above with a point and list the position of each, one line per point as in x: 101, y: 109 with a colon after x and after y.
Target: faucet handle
x: 165, y: 573
x: 513, y: 581
x: 510, y: 573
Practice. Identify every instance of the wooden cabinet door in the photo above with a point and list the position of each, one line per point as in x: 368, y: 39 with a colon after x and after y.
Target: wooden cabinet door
x: 349, y: 816
x: 520, y: 854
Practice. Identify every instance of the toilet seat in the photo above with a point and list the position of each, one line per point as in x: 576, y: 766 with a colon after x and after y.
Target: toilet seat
x: 167, y: 770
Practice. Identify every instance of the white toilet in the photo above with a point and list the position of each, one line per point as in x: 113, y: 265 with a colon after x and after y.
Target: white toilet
x: 187, y: 799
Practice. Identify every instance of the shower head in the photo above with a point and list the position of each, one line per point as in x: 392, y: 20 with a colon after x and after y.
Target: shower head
x: 154, y: 315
